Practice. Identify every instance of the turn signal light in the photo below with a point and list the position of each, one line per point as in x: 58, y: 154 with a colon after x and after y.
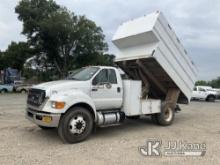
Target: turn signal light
x: 58, y: 105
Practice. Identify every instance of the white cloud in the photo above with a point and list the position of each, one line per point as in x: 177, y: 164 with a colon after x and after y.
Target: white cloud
x: 10, y: 27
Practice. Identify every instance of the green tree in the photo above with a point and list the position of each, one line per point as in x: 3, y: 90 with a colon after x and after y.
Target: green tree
x: 201, y: 82
x: 106, y: 59
x: 16, y: 55
x: 2, y: 61
x: 68, y: 41
x: 215, y: 83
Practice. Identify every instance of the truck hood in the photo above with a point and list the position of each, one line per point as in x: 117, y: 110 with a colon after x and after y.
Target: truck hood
x: 212, y: 92
x: 62, y: 86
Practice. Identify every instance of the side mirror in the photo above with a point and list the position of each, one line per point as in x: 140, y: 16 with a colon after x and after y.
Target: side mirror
x: 94, y: 81
x: 108, y: 85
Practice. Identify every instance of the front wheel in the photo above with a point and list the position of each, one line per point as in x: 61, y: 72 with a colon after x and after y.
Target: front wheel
x: 23, y: 91
x: 4, y: 91
x: 76, y: 125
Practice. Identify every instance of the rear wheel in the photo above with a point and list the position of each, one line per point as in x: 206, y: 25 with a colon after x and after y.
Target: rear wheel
x: 166, y: 116
x: 76, y: 125
x: 211, y: 98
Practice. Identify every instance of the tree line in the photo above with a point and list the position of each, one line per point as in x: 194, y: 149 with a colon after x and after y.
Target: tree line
x: 57, y: 39
x: 215, y: 83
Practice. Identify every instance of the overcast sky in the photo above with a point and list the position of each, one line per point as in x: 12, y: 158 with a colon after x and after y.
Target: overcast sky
x: 197, y: 24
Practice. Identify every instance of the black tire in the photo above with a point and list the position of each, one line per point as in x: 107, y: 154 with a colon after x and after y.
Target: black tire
x: 75, y: 117
x: 23, y: 91
x: 4, y: 91
x: 210, y: 98
x: 45, y: 128
x: 166, y: 116
x: 133, y: 117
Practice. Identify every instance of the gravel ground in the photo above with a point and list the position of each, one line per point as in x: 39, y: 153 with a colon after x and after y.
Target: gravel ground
x: 22, y: 142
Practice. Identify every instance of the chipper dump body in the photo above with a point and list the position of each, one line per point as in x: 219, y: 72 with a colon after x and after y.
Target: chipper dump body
x: 150, y: 51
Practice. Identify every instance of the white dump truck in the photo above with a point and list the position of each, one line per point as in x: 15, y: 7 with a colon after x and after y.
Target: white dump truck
x: 160, y: 74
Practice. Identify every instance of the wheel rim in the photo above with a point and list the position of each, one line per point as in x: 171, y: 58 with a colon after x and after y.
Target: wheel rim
x: 168, y: 114
x: 77, y: 125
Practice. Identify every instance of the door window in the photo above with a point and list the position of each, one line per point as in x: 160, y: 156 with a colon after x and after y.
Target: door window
x: 105, y: 76
x: 201, y: 89
x: 112, y: 76
x: 101, y: 77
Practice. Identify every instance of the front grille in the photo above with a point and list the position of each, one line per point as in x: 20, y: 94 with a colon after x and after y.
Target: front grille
x: 36, y: 97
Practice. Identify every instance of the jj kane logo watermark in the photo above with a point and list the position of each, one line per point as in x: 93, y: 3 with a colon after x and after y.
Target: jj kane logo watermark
x: 154, y: 147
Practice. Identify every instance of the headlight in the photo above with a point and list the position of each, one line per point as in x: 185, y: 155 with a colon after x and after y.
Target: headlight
x: 57, y: 104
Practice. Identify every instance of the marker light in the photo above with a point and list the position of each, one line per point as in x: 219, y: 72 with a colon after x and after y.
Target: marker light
x: 57, y: 104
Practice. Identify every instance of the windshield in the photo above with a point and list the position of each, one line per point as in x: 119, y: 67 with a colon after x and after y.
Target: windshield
x: 83, y: 74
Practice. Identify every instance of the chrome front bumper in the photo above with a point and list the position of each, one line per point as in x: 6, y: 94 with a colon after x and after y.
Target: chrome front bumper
x: 37, y: 118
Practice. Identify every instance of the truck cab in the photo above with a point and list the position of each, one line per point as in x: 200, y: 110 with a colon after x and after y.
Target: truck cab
x: 94, y: 88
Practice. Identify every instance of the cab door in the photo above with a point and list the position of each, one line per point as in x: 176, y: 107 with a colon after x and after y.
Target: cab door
x: 195, y: 93
x: 201, y: 93
x: 106, y: 91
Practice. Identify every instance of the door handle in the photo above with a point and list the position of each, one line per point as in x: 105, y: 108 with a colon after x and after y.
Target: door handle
x: 94, y: 89
x: 118, y: 89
